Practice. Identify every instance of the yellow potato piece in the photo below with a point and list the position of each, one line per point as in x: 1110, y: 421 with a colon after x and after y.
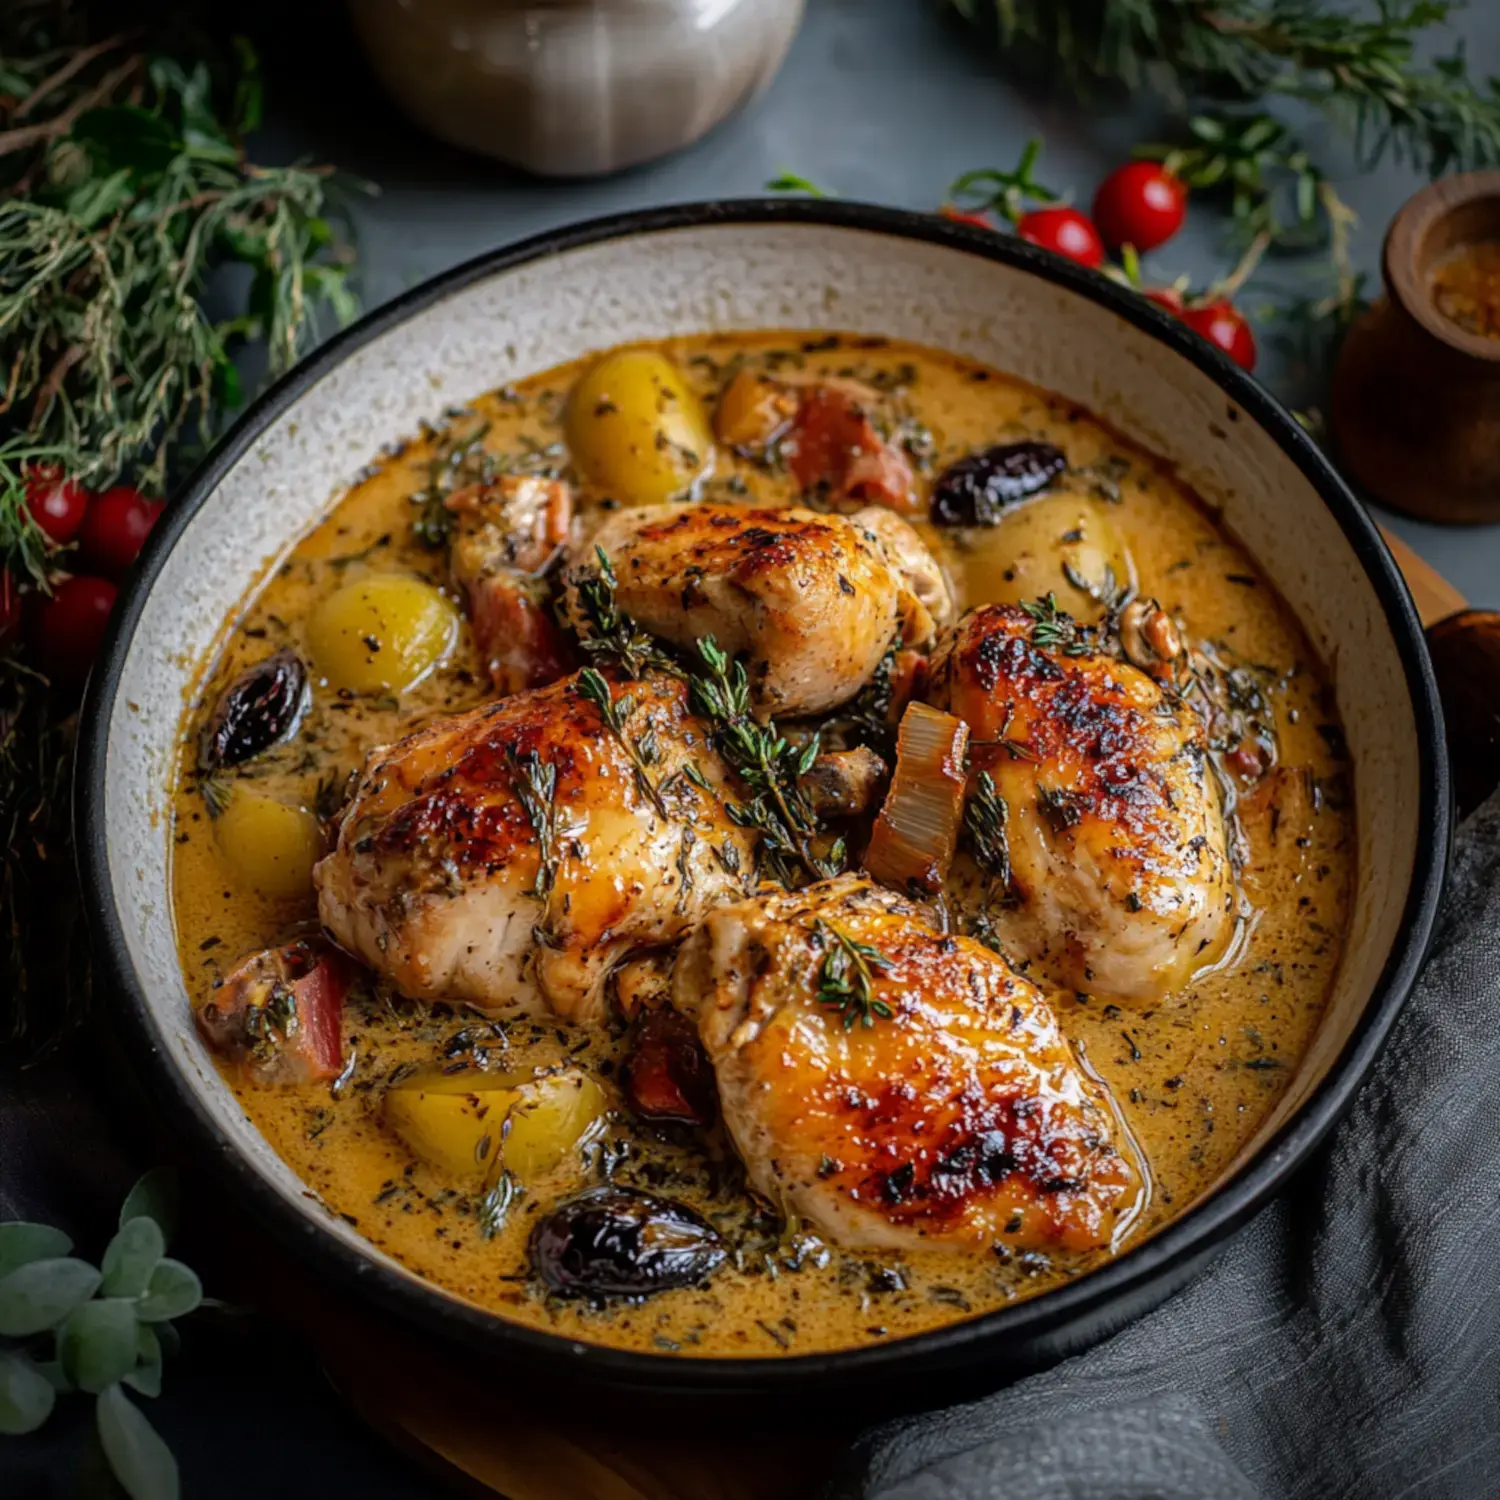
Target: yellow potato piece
x: 471, y: 1125
x: 271, y: 846
x: 636, y: 432
x: 1046, y: 545
x: 381, y: 634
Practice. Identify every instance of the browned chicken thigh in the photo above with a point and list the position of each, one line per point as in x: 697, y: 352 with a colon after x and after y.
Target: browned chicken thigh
x: 514, y: 855
x: 811, y: 601
x: 1119, y: 879
x: 930, y: 1101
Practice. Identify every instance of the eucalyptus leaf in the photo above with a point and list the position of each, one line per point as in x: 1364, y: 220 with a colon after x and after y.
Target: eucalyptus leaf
x: 26, y: 1395
x: 97, y: 1345
x: 158, y: 1195
x: 174, y: 1290
x: 21, y: 1243
x: 141, y: 1461
x: 38, y: 1296
x: 133, y: 1254
x: 51, y: 1371
x: 146, y: 1376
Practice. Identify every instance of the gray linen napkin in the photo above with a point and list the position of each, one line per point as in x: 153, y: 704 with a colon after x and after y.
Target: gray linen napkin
x: 1348, y: 1342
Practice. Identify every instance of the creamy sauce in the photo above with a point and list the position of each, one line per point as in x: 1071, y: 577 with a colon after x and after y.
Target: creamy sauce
x: 1192, y: 1078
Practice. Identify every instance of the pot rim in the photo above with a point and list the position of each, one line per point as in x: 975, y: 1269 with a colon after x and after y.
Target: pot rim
x: 1123, y: 1283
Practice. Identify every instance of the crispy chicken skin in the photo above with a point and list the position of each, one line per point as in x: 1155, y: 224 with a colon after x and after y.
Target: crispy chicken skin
x: 433, y: 881
x: 812, y: 601
x: 1121, y: 883
x: 960, y: 1120
x: 504, y: 534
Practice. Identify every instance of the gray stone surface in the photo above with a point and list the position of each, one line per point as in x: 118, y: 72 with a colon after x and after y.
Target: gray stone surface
x: 884, y: 100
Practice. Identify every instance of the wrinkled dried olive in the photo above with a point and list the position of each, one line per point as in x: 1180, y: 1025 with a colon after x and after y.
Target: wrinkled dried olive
x: 615, y: 1242
x: 976, y: 490
x: 668, y: 1075
x: 262, y: 706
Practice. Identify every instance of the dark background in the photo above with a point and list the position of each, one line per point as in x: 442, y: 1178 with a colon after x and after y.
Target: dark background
x: 886, y: 100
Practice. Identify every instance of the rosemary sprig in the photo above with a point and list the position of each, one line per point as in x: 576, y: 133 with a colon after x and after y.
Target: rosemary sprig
x: 986, y: 816
x: 616, y: 713
x: 1360, y: 70
x: 846, y: 977
x: 779, y: 809
x: 611, y: 635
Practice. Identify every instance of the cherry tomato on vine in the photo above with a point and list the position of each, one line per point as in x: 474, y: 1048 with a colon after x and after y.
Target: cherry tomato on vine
x: 1064, y: 231
x: 1226, y: 328
x: 117, y: 524
x: 1140, y: 204
x: 1165, y: 296
x: 963, y: 216
x: 56, y: 503
x: 69, y: 625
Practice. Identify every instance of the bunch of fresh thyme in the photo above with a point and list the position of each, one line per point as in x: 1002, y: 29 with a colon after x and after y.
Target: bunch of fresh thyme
x: 846, y: 977
x: 124, y: 185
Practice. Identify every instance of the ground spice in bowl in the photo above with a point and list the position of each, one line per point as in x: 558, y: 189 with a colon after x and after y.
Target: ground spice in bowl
x: 1466, y: 288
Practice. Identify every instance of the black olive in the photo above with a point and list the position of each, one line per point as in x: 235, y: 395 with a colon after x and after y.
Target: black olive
x: 976, y: 490
x: 616, y: 1242
x: 262, y: 706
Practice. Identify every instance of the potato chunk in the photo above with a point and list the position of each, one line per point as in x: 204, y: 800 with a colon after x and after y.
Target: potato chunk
x: 472, y: 1125
x: 381, y: 634
x: 635, y: 429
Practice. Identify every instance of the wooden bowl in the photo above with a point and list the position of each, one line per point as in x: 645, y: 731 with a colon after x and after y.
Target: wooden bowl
x: 1415, y: 405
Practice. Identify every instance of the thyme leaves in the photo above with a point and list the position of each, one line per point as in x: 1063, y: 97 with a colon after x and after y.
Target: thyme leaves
x: 846, y: 977
x: 612, y: 635
x: 642, y: 749
x: 986, y: 816
x: 779, y: 808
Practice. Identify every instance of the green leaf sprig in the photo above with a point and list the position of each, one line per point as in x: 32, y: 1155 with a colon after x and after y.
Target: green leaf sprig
x: 67, y: 1326
x: 770, y: 766
x: 846, y: 977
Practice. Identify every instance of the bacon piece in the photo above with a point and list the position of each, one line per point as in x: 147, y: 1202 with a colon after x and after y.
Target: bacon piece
x: 279, y: 1014
x: 504, y: 536
x: 667, y: 1076
x: 833, y: 445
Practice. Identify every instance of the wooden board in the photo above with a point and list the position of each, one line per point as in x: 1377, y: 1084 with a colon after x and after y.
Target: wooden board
x: 483, y: 1438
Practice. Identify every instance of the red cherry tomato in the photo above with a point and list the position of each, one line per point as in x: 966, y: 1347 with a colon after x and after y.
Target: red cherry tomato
x: 1226, y: 328
x: 1140, y: 204
x: 10, y: 608
x: 1064, y: 231
x: 69, y: 625
x: 116, y: 525
x: 962, y: 216
x: 57, y: 504
x: 1165, y: 296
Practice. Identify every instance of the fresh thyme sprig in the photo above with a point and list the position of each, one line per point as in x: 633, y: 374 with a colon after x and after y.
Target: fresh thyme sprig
x: 611, y: 634
x: 986, y: 816
x: 535, y: 782
x: 769, y: 765
x: 616, y: 713
x: 846, y: 977
x: 1053, y: 629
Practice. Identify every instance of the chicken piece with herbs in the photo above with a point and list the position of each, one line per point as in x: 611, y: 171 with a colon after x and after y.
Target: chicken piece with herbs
x: 512, y: 856
x: 1100, y: 826
x: 812, y: 602
x: 895, y: 1086
x: 503, y: 537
